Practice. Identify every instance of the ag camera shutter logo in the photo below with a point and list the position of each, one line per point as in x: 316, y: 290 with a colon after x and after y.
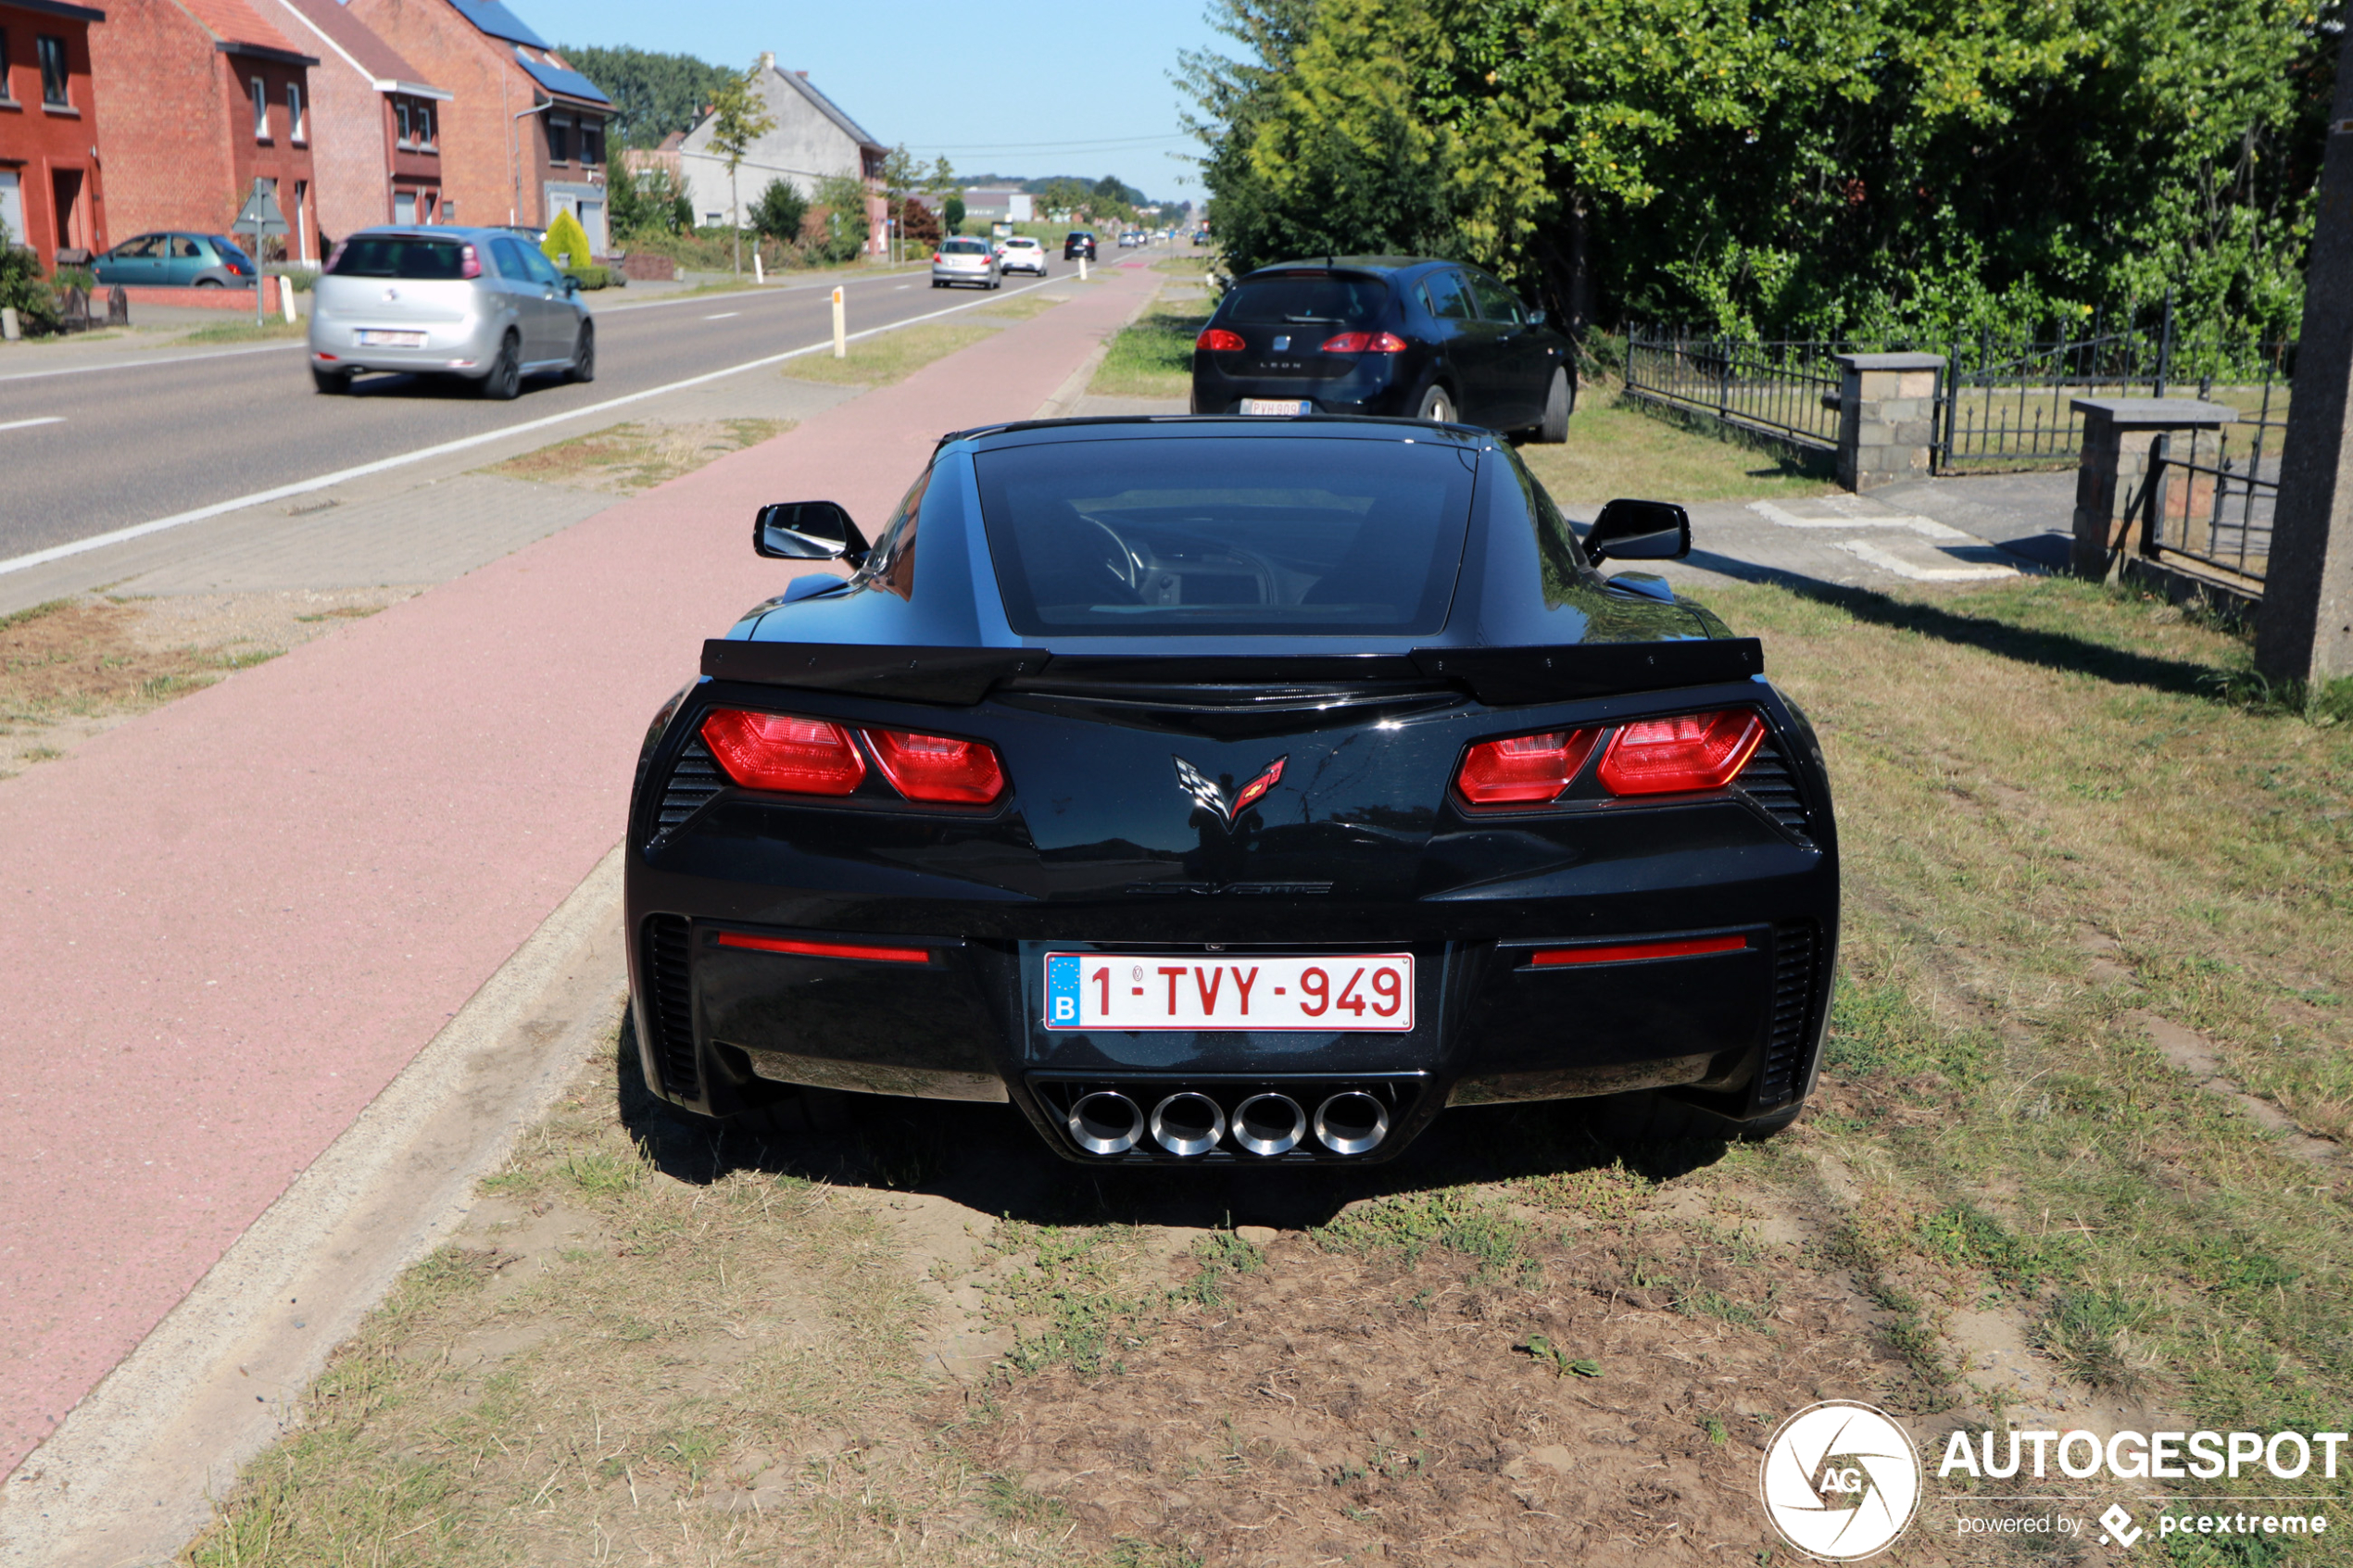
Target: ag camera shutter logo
x: 1840, y: 1480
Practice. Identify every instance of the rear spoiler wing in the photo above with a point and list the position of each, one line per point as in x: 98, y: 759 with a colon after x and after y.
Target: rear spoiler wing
x: 1501, y: 677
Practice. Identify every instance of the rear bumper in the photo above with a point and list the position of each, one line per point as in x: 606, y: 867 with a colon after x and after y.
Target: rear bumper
x: 983, y: 276
x: 1378, y: 386
x: 719, y: 1025
x: 464, y: 348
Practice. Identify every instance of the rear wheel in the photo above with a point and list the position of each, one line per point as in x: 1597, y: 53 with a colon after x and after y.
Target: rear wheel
x: 505, y: 379
x: 1438, y: 406
x: 1558, y: 401
x: 334, y: 383
x: 584, y: 358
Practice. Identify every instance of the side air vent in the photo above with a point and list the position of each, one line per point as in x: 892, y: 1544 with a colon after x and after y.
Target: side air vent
x: 670, y: 1012
x: 1768, y: 781
x: 694, y: 779
x: 1796, y: 949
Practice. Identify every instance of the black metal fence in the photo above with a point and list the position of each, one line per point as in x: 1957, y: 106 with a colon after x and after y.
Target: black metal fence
x: 1789, y: 390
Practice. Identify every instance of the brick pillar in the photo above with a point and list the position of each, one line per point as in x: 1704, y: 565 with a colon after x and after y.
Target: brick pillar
x: 1886, y: 417
x: 2111, y: 477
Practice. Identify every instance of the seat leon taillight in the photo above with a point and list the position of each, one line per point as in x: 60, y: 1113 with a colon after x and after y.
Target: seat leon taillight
x: 1363, y: 343
x: 1217, y: 340
x: 1691, y: 751
x: 937, y: 767
x: 773, y: 751
x: 1525, y: 769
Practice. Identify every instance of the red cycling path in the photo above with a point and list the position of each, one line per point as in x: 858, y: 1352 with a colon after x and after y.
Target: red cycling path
x: 226, y: 926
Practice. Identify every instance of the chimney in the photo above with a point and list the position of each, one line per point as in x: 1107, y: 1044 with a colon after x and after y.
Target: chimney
x: 803, y: 74
x: 768, y: 60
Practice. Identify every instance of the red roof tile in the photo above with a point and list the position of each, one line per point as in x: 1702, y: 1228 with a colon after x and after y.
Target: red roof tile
x: 378, y: 58
x: 234, y: 21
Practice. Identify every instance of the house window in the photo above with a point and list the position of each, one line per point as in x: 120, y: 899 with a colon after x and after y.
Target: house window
x: 260, y: 111
x: 592, y: 140
x: 6, y: 97
x: 53, y: 73
x: 422, y: 118
x: 559, y: 140
x: 294, y: 132
x: 400, y: 114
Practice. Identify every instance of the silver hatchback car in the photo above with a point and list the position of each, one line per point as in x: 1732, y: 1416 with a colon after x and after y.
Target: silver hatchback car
x: 479, y: 304
x: 963, y: 260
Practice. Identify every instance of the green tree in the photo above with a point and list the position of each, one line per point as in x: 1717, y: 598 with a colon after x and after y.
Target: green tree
x: 566, y: 242
x: 652, y: 94
x: 738, y: 117
x: 778, y: 211
x: 951, y: 213
x: 22, y: 288
x: 842, y: 200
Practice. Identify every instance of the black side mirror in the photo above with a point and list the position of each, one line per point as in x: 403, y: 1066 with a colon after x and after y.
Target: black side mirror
x: 806, y: 530
x: 1535, y: 318
x: 572, y: 285
x: 1639, y: 531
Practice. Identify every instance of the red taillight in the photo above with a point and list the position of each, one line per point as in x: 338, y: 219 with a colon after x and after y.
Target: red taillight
x: 1628, y: 952
x: 1217, y: 340
x: 937, y: 259
x: 1363, y: 343
x: 1525, y: 768
x: 771, y: 751
x: 935, y: 768
x: 469, y: 264
x: 1666, y: 756
x: 800, y: 948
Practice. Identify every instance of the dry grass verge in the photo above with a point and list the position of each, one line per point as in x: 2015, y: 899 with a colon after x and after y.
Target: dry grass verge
x: 888, y: 358
x: 1617, y: 448
x: 625, y: 458
x: 1021, y: 307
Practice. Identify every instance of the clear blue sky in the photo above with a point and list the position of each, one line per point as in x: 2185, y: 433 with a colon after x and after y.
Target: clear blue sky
x: 984, y: 84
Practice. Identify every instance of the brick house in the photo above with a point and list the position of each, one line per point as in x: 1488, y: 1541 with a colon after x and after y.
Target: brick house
x: 202, y: 99
x: 378, y: 150
x: 812, y: 139
x: 49, y: 188
x: 524, y: 137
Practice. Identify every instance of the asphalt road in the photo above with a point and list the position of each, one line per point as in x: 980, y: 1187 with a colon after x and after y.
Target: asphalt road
x: 123, y: 446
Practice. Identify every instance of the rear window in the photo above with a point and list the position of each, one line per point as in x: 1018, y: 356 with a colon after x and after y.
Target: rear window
x: 1350, y: 302
x: 965, y: 247
x: 1227, y: 536
x: 396, y: 255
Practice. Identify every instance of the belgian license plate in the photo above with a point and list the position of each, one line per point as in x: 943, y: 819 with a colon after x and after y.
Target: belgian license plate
x: 1354, y: 992
x: 1277, y: 406
x: 371, y: 338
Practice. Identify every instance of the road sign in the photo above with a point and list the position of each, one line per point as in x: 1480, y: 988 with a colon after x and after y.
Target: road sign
x: 261, y: 214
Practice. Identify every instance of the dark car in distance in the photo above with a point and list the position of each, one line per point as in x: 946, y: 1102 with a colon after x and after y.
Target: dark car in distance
x: 1231, y: 791
x: 1078, y: 243
x: 1386, y: 335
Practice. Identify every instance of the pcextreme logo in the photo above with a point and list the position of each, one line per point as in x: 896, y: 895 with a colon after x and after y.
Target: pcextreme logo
x: 1840, y: 1480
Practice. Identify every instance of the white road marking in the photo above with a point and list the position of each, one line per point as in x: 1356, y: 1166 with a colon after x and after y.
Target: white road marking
x: 45, y: 419
x: 304, y: 486
x: 1885, y: 561
x: 723, y: 315
x: 140, y: 364
x: 1925, y: 527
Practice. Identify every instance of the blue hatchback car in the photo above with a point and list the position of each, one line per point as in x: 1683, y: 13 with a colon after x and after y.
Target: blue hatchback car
x: 177, y: 259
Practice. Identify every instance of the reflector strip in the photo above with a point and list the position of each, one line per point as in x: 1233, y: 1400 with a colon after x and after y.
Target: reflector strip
x: 1677, y: 948
x: 824, y: 949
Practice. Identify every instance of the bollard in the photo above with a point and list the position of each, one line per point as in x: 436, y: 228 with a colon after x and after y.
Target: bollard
x: 759, y: 273
x: 285, y: 300
x: 841, y: 327
x: 11, y: 326
x: 1082, y: 266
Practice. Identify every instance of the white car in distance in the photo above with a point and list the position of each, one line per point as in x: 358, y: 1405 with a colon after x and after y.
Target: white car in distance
x: 1019, y: 253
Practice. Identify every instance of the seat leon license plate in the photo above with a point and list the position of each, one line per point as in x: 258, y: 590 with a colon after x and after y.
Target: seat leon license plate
x: 1277, y: 406
x: 1352, y: 992
x: 373, y: 338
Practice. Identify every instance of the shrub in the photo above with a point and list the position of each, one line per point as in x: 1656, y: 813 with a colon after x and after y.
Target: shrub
x: 594, y: 277
x: 566, y: 242
x: 918, y: 225
x: 23, y: 288
x: 778, y: 211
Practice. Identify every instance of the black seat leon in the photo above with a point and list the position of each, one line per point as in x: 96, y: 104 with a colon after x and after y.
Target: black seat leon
x: 1405, y: 337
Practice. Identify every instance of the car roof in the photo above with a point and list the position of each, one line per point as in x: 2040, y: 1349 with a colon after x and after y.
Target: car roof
x: 1376, y: 264
x: 1131, y: 427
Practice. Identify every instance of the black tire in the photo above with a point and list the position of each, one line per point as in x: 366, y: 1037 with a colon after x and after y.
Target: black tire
x: 208, y: 283
x: 334, y: 384
x: 1559, y: 399
x: 1438, y: 406
x: 584, y: 357
x: 505, y: 381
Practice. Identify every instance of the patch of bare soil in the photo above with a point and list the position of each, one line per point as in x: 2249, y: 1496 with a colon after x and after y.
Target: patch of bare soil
x: 1601, y: 1406
x: 625, y: 458
x: 73, y: 668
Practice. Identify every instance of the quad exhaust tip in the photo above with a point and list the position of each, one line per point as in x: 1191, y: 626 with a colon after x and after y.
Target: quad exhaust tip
x: 1351, y: 1121
x: 1269, y: 1123
x: 1190, y: 1123
x: 1106, y: 1122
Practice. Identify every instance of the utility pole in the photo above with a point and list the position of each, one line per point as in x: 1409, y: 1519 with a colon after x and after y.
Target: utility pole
x: 2304, y: 630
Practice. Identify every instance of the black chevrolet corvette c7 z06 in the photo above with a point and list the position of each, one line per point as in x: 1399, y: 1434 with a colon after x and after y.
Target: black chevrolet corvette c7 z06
x: 1229, y: 791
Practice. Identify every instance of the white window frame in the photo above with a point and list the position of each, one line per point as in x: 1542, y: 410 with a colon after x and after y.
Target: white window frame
x: 297, y: 133
x: 260, y: 109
